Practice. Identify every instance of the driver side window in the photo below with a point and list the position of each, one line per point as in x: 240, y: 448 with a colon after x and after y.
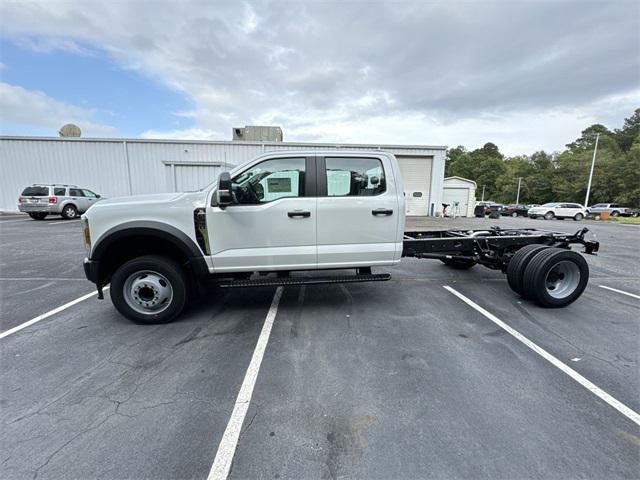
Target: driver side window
x: 268, y: 181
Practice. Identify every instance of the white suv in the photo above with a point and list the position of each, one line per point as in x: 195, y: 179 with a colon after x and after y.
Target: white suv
x: 550, y: 211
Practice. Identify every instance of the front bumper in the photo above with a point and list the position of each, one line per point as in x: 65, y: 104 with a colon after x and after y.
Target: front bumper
x: 91, y: 270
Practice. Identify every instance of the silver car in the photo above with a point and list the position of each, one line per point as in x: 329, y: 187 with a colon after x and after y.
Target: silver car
x: 40, y: 200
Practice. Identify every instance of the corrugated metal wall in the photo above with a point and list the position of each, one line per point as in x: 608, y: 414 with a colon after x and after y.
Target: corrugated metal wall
x: 117, y: 167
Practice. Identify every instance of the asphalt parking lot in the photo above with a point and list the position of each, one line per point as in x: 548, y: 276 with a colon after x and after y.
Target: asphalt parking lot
x: 398, y: 379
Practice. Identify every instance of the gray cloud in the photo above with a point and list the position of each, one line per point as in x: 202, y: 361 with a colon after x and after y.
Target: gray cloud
x: 450, y: 72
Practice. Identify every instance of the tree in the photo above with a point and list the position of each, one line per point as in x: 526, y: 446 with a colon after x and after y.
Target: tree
x: 630, y: 131
x: 559, y: 177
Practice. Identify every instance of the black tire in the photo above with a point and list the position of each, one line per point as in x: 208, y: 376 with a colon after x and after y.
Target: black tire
x: 514, y: 214
x: 168, y: 270
x: 517, y: 264
x: 458, y: 263
x: 533, y: 217
x: 539, y: 286
x: 615, y: 213
x: 578, y: 217
x: 549, y: 216
x: 69, y: 212
x: 38, y: 215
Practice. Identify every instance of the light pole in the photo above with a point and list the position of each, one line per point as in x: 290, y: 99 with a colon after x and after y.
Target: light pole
x: 593, y: 163
x: 482, y: 194
x: 518, y: 194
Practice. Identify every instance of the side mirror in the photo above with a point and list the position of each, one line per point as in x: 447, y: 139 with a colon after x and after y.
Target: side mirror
x: 98, y: 196
x: 224, y: 197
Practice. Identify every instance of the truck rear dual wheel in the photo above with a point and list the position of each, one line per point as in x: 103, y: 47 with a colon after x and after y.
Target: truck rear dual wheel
x: 555, y: 277
x: 149, y: 289
x: 518, y: 264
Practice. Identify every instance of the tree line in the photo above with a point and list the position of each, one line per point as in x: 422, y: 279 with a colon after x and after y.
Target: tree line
x: 559, y: 177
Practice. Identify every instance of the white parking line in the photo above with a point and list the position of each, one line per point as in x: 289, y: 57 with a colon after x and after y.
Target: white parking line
x: 14, y: 221
x: 620, y: 291
x: 621, y: 407
x: 13, y: 330
x: 63, y: 221
x: 227, y: 448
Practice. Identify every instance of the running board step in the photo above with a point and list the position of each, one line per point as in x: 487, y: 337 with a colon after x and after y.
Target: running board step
x: 283, y: 281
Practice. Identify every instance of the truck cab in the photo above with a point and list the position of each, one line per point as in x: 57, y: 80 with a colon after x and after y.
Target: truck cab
x: 280, y: 212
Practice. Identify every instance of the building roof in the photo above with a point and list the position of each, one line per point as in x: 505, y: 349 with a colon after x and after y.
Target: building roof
x: 455, y: 177
x: 302, y: 145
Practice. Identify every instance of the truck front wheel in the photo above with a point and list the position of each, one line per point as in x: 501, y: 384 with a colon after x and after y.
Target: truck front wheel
x: 149, y: 289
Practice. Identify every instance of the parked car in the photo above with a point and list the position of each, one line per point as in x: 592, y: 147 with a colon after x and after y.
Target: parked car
x: 515, y: 210
x: 284, y: 212
x: 550, y: 211
x: 487, y: 207
x: 634, y: 212
x: 613, y: 209
x: 40, y: 200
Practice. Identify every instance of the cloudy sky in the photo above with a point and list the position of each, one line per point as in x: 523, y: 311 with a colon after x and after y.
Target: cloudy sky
x: 523, y: 74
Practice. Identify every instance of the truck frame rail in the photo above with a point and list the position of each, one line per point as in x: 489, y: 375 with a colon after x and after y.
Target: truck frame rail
x: 539, y: 264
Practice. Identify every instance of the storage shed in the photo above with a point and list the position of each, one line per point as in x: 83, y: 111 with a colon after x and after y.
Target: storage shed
x: 120, y: 166
x: 463, y: 191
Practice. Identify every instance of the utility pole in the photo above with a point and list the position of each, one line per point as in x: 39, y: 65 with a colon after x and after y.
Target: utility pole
x: 593, y: 163
x: 482, y: 194
x: 518, y: 195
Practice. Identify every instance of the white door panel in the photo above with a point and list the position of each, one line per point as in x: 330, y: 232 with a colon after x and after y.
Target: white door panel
x: 349, y: 234
x: 256, y: 237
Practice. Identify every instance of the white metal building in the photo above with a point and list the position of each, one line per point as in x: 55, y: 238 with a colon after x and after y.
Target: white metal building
x: 120, y: 167
x: 462, y: 191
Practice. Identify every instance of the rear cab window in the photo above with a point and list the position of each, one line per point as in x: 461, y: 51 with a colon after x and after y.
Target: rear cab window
x: 355, y: 177
x: 36, y: 191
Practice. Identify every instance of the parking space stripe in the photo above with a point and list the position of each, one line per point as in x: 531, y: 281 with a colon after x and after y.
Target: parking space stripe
x: 227, y: 447
x: 621, y: 407
x: 13, y: 330
x: 69, y: 222
x: 620, y: 291
x: 14, y: 221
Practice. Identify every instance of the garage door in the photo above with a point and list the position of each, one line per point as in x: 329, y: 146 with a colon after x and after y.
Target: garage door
x: 186, y: 178
x: 416, y: 173
x: 460, y: 195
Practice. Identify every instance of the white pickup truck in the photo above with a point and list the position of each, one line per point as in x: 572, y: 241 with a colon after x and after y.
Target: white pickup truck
x: 337, y: 213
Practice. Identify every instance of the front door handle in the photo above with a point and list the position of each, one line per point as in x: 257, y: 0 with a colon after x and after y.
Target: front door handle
x: 299, y: 213
x: 381, y: 211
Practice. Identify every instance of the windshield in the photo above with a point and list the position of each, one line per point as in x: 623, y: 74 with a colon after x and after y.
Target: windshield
x: 36, y: 191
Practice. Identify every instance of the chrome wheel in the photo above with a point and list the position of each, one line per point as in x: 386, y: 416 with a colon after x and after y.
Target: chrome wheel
x: 147, y: 292
x: 70, y: 212
x: 563, y: 279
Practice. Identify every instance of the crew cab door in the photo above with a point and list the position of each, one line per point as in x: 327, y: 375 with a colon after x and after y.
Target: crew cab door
x: 359, y: 211
x: 271, y: 224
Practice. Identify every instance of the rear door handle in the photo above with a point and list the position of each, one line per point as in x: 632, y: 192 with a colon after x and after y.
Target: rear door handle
x: 381, y: 211
x: 299, y: 213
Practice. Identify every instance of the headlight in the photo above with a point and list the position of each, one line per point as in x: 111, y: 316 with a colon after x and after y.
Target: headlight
x: 86, y: 234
